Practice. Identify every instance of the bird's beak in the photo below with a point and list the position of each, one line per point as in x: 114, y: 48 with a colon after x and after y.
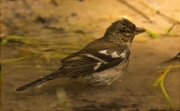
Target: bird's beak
x: 139, y: 30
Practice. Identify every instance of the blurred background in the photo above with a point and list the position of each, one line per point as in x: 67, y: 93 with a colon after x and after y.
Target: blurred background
x: 37, y: 34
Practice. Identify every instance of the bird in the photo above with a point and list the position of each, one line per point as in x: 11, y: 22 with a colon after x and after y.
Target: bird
x: 100, y: 62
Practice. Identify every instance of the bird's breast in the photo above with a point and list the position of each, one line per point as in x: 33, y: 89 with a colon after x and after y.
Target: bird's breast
x: 107, y: 76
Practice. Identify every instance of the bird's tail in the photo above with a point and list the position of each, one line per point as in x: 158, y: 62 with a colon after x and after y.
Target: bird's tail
x: 40, y: 81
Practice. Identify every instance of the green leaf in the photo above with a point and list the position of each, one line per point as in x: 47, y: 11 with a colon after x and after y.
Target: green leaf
x: 152, y: 34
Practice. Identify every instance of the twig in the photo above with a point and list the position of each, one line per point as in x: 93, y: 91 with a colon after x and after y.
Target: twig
x: 171, y: 28
x: 136, y: 10
x: 160, y: 13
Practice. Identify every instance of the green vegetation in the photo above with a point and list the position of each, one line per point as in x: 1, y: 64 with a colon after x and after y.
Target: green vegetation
x: 39, y: 50
x: 160, y: 81
x: 152, y: 34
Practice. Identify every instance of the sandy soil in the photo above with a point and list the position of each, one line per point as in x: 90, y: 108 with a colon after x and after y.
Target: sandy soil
x: 80, y: 22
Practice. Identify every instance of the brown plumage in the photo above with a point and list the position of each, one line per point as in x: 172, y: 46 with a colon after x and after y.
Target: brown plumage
x: 100, y: 62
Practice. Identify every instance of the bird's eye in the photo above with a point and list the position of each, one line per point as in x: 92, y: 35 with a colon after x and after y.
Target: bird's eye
x: 129, y: 31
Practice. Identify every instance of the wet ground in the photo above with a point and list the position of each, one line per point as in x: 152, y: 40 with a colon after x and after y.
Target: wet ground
x: 37, y: 34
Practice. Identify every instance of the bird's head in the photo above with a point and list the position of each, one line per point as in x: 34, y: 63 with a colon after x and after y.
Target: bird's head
x: 122, y: 31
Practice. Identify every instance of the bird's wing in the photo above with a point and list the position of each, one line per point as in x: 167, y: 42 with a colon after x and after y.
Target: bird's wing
x: 90, y: 59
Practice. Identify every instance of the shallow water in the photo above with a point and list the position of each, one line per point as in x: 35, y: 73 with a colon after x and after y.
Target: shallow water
x: 72, y: 28
x: 133, y: 92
